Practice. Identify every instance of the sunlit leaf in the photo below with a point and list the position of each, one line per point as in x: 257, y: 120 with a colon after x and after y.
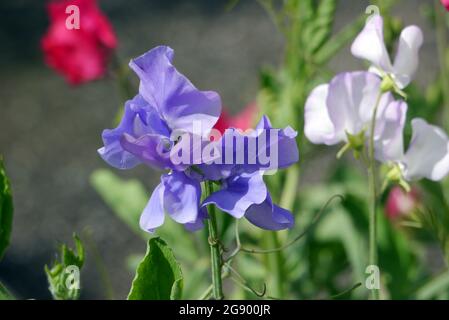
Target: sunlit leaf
x: 158, y: 276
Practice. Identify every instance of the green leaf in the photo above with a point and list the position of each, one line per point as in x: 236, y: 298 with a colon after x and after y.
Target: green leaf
x: 6, y: 210
x: 126, y: 198
x: 4, y: 293
x: 158, y: 276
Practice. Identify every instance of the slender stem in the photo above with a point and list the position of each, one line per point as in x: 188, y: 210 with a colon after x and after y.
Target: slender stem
x: 206, y: 294
x: 297, y: 238
x: 276, y: 262
x: 288, y: 197
x: 214, y: 243
x: 372, y: 179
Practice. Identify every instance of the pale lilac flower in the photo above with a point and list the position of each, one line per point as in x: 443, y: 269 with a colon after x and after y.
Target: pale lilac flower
x: 369, y: 45
x: 344, y: 108
x: 427, y: 155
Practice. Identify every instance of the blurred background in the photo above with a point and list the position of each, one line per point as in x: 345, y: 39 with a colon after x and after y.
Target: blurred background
x: 49, y: 131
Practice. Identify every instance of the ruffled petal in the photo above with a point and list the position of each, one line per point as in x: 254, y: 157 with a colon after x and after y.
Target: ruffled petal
x: 176, y: 98
x: 181, y: 197
x: 407, y: 58
x: 238, y: 194
x: 318, y: 127
x: 351, y: 100
x: 428, y: 153
x: 269, y: 216
x: 369, y: 44
x: 131, y: 124
x: 276, y: 148
x: 263, y: 149
x: 151, y: 149
x: 389, y: 142
x: 153, y: 215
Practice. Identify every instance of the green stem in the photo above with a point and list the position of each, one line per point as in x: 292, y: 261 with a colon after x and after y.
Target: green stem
x: 276, y: 260
x: 372, y: 179
x: 290, y: 188
x: 215, y: 255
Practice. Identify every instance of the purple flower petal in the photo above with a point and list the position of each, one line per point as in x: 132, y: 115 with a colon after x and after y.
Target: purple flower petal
x: 238, y: 193
x: 199, y: 222
x: 265, y: 148
x: 283, y: 145
x: 112, y: 152
x: 153, y: 215
x: 151, y: 149
x: 269, y: 216
x: 138, y: 119
x: 181, y: 197
x: 176, y: 98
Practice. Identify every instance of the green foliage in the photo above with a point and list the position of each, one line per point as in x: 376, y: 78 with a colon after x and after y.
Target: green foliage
x: 126, y: 198
x: 63, y: 276
x: 6, y: 210
x: 158, y: 276
x: 310, y: 44
x: 437, y: 287
x: 5, y: 294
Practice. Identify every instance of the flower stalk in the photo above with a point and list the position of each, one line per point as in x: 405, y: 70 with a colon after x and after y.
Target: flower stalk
x: 214, y: 243
x: 372, y: 180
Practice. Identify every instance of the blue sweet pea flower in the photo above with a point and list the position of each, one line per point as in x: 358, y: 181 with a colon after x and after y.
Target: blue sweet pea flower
x: 167, y: 103
x: 169, y: 115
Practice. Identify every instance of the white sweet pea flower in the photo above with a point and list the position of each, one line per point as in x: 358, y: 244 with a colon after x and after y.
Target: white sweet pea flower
x: 341, y: 112
x: 427, y: 155
x: 370, y: 45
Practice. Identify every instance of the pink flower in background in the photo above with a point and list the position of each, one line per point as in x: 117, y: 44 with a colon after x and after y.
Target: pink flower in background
x: 243, y: 120
x: 79, y: 54
x: 400, y: 203
x: 445, y: 4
